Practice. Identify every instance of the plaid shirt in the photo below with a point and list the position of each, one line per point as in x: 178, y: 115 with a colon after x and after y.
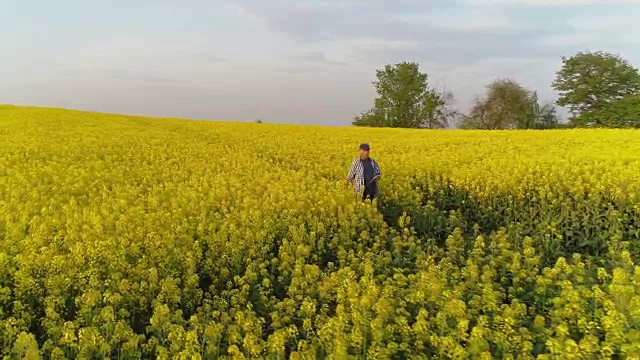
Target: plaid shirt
x: 356, y: 173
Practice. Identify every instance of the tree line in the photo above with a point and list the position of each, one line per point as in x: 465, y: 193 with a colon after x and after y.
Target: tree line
x: 599, y: 89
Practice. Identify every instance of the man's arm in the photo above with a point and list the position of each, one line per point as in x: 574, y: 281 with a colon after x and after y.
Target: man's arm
x: 352, y: 171
x: 377, y: 174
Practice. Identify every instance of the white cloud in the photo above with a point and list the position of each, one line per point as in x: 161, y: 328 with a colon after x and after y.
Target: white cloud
x: 491, y: 3
x: 608, y: 23
x: 463, y: 19
x: 607, y: 32
x: 296, y: 60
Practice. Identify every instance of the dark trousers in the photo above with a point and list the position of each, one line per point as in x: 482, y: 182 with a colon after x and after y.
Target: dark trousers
x: 370, y: 193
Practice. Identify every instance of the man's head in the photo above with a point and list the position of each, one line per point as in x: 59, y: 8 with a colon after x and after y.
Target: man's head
x: 364, y: 151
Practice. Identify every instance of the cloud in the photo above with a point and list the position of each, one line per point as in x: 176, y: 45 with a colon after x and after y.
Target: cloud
x: 299, y: 62
x: 483, y: 19
x: 482, y: 39
x: 608, y: 31
x: 307, y: 56
x: 301, y: 69
x: 210, y: 58
x: 143, y: 60
x: 140, y: 77
x: 553, y: 3
x: 290, y: 60
x: 466, y: 30
x: 441, y: 30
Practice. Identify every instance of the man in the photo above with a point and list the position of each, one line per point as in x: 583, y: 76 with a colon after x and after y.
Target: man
x: 365, y: 172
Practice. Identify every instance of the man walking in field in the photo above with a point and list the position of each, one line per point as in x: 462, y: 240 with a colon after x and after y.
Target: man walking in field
x: 365, y: 172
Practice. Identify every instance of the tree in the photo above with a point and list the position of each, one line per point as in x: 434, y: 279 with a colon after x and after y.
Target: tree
x: 441, y: 114
x: 620, y: 113
x: 544, y: 116
x: 589, y: 81
x: 469, y: 123
x: 369, y: 118
x: 405, y: 100
x: 508, y: 105
x: 547, y: 117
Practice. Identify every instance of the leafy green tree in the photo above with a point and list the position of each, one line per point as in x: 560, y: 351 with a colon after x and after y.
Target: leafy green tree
x: 508, y: 105
x: 589, y: 81
x: 544, y: 116
x: 369, y: 118
x: 441, y: 114
x: 469, y: 123
x: 406, y: 100
x: 620, y: 113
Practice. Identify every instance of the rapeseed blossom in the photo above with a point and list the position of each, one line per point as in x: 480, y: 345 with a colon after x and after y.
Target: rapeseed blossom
x: 126, y: 237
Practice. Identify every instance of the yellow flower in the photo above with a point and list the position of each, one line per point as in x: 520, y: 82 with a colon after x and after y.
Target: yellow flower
x: 164, y: 238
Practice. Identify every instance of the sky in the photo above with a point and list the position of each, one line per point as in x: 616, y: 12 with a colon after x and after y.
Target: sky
x: 288, y: 61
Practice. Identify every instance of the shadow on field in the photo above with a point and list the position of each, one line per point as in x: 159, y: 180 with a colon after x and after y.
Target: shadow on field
x: 560, y: 223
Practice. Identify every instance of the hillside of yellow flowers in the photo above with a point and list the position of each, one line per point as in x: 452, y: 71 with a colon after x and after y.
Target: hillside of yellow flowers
x: 127, y: 237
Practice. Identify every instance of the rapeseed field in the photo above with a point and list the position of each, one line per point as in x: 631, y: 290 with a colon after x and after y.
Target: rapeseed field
x: 126, y: 237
